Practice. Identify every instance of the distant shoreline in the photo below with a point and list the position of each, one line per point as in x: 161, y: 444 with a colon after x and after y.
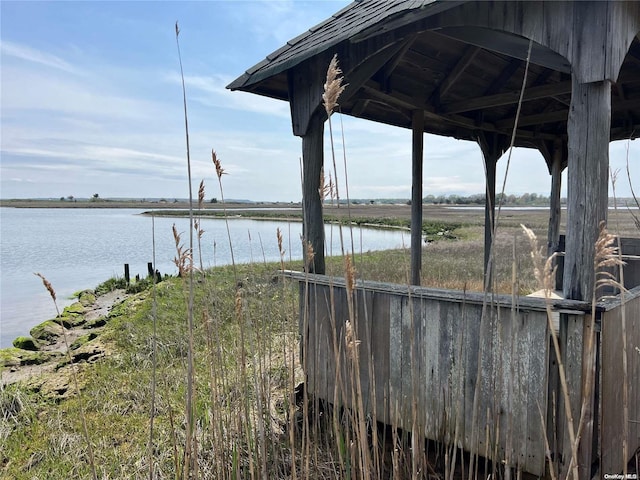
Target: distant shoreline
x: 141, y: 204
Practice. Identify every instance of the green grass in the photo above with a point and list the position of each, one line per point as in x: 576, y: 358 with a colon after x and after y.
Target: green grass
x: 246, y: 367
x: 117, y: 394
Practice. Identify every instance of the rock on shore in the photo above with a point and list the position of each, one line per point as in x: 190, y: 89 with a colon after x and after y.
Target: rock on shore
x: 43, y: 360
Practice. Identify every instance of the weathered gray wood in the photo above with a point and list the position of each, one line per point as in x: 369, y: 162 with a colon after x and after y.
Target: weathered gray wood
x: 510, y: 98
x: 492, y: 149
x: 593, y: 36
x: 571, y: 347
x: 612, y: 388
x: 538, y: 340
x: 587, y: 186
x: 306, y: 86
x: 380, y: 329
x: 417, y: 122
x: 586, y: 446
x: 419, y: 360
x: 312, y: 162
x: 553, y: 234
x: 473, y: 298
x: 395, y: 358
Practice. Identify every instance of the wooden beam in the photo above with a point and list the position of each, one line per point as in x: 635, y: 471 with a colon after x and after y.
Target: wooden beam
x: 306, y: 81
x: 452, y: 77
x: 391, y: 65
x: 502, y: 79
x: 508, y: 98
x: 360, y: 62
x: 312, y: 163
x: 588, y: 131
x: 417, y: 126
x: 492, y: 148
x: 536, y: 119
x: 406, y: 103
x: 306, y: 85
x: 555, y: 211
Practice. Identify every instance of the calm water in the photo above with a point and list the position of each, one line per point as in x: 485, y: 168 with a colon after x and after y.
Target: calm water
x: 80, y: 248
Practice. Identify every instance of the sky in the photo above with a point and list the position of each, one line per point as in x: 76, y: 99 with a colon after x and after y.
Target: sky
x: 91, y: 102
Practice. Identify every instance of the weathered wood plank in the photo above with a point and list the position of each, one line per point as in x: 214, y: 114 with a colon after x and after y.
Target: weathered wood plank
x: 555, y: 208
x: 571, y: 346
x: 432, y: 366
x: 426, y: 363
x: 363, y: 302
x: 472, y: 338
x: 395, y: 356
x: 417, y: 126
x: 380, y: 329
x: 537, y: 375
x: 612, y: 388
x: 313, y: 222
x: 587, y: 186
x: 470, y: 298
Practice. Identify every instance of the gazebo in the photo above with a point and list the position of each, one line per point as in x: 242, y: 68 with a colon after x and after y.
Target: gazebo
x: 456, y: 68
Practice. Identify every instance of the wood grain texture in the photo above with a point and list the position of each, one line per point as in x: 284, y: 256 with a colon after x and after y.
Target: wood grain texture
x: 417, y: 147
x: 425, y: 362
x: 312, y: 163
x: 587, y: 183
x: 612, y: 414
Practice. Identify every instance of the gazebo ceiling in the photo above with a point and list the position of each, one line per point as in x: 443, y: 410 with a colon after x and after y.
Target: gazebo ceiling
x: 466, y: 80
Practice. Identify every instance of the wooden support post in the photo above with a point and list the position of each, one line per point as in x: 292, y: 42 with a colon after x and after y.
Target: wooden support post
x: 492, y: 149
x: 489, y: 215
x: 587, y: 187
x: 553, y: 235
x: 417, y: 125
x: 313, y: 223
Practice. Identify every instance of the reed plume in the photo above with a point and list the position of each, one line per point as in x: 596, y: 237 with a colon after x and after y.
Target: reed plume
x: 48, y: 286
x: 201, y: 195
x: 607, y: 258
x: 216, y: 162
x: 333, y: 87
x: 182, y: 260
x: 74, y: 375
x: 545, y: 272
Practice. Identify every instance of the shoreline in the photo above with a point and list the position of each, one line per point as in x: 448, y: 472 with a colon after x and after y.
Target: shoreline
x: 71, y: 338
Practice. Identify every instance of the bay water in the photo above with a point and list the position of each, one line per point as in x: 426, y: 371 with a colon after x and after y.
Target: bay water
x: 79, y: 248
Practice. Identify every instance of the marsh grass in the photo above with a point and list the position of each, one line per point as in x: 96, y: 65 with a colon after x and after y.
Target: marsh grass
x: 205, y: 381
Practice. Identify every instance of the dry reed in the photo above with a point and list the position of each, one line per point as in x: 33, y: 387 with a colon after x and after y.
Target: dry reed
x: 74, y: 376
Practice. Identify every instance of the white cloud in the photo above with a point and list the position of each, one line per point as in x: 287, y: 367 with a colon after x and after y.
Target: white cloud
x: 32, y: 55
x: 211, y: 91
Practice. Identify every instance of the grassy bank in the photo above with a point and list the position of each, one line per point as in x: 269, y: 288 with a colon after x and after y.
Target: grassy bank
x: 249, y: 415
x: 41, y: 437
x: 247, y: 419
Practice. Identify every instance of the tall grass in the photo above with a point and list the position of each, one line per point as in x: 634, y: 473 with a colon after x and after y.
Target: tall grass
x: 208, y: 381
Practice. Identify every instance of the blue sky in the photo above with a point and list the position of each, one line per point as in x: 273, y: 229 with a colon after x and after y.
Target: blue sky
x: 91, y: 103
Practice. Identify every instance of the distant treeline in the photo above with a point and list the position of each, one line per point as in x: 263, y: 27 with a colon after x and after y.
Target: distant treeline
x: 453, y: 199
x: 526, y: 199
x: 480, y: 199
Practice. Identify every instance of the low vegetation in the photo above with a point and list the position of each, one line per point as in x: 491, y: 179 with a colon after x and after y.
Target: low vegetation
x: 199, y: 375
x: 247, y: 369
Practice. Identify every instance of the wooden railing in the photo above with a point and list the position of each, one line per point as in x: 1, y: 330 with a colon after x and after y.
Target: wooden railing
x: 462, y: 368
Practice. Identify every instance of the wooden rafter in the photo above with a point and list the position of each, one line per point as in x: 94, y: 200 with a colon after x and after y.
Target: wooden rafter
x: 454, y: 74
x: 505, y: 75
x: 508, y: 98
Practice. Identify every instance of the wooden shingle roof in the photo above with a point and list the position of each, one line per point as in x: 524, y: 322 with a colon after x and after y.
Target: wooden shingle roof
x: 353, y: 19
x: 440, y: 57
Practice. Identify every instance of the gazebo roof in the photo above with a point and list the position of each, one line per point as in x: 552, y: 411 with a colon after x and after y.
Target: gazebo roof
x: 401, y: 56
